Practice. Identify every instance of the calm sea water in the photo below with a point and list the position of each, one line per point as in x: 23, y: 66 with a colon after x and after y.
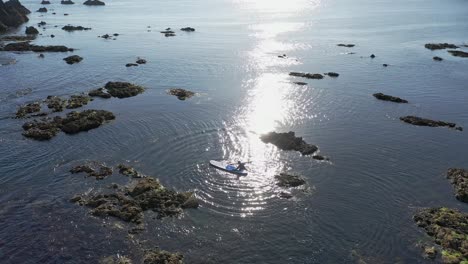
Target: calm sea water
x: 357, y: 206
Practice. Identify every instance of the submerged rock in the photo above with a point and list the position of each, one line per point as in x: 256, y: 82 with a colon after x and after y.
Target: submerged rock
x: 26, y: 46
x: 157, y: 256
x: 418, y: 121
x: 449, y: 229
x: 459, y: 53
x: 94, y: 3
x: 390, y: 98
x: 70, y: 28
x: 31, y: 31
x: 123, y: 89
x: 75, y: 122
x: 459, y: 180
x: 289, y: 180
x: 188, y: 29
x: 289, y: 141
x: 141, y: 61
x: 99, y: 173
x: 24, y: 110
x: 167, y: 31
x: 437, y: 58
x: 169, y: 35
x: 73, y: 59
x: 307, y: 75
x: 181, y: 94
x: 437, y: 46
x: 131, y: 65
x: 332, y: 74
x: 99, y: 93
x: 346, y: 45
x: 115, y: 204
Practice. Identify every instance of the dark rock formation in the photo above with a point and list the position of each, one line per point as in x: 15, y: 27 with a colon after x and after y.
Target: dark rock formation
x: 18, y: 38
x: 55, y: 103
x: 289, y: 141
x: 372, y: 56
x: 307, y: 75
x: 437, y: 58
x: 188, y: 29
x: 282, y: 56
x: 181, y: 94
x: 169, y: 35
x: 459, y: 53
x: 289, y: 180
x: 44, y: 129
x: 45, y: 2
x: 390, y: 98
x: 141, y: 61
x: 12, y: 14
x: 167, y: 31
x: 42, y: 10
x: 157, y: 256
x: 459, y: 180
x: 94, y: 3
x: 77, y: 101
x: 70, y: 28
x: 24, y: 110
x: 26, y: 46
x: 99, y: 171
x: 449, y: 229
x: 300, y: 83
x: 346, y: 45
x: 31, y: 31
x: 131, y: 65
x: 67, y: 2
x: 418, y: 121
x: 385, y: 65
x: 129, y: 171
x: 319, y: 157
x: 99, y: 93
x: 73, y: 59
x: 76, y: 122
x: 332, y: 74
x: 437, y: 46
x: 123, y: 89
x: 42, y: 23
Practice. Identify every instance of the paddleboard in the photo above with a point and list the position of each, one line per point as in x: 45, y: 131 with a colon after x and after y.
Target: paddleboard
x: 228, y: 167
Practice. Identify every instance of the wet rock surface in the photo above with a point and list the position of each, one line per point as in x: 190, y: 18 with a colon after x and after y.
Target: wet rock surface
x: 418, y: 121
x: 157, y: 256
x: 129, y: 171
x: 99, y: 93
x: 459, y: 180
x: 332, y: 74
x: 188, y: 29
x: 131, y: 65
x: 70, y: 28
x: 438, y: 46
x: 30, y: 108
x: 94, y: 3
x: 43, y: 129
x: 289, y: 180
x: 437, y: 58
x: 31, y: 31
x: 141, y: 61
x: 12, y: 14
x: 42, y: 10
x: 458, y: 53
x: 389, y: 98
x: 26, y: 46
x: 289, y: 141
x: 77, y: 101
x: 449, y: 229
x: 346, y: 45
x: 55, y: 103
x: 73, y: 59
x: 123, y: 89
x: 45, y: 2
x: 99, y: 171
x: 67, y: 2
x: 76, y: 122
x: 181, y: 94
x: 307, y: 75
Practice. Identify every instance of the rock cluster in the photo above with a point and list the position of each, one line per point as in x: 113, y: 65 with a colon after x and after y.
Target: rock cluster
x: 459, y: 180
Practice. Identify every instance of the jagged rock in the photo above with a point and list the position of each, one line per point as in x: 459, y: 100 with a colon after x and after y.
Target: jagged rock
x: 437, y: 58
x: 99, y: 93
x: 73, y: 59
x: 289, y: 180
x: 26, y: 46
x: 70, y: 28
x: 289, y: 141
x: 418, y: 121
x: 123, y: 89
x: 157, y: 256
x: 76, y: 122
x: 99, y: 173
x: 181, y: 94
x: 67, y: 2
x: 42, y: 10
x: 31, y: 31
x: 332, y: 74
x: 307, y: 75
x: 459, y: 53
x: 188, y: 29
x: 437, y: 46
x: 12, y: 14
x: 390, y: 98
x: 128, y: 171
x: 459, y: 180
x: 346, y: 45
x: 24, y: 110
x: 94, y: 3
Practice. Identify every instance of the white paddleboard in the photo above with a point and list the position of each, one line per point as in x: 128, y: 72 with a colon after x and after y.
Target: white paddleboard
x: 227, y: 167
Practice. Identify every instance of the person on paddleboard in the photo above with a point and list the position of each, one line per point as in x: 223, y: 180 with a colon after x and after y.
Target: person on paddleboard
x: 241, y: 166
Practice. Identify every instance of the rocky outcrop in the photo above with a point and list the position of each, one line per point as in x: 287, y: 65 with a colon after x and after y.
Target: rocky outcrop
x: 99, y: 93
x: 70, y: 28
x: 289, y: 141
x: 418, y: 121
x: 437, y: 58
x: 289, y: 180
x: 67, y: 2
x: 30, y: 108
x: 459, y: 180
x: 12, y: 14
x: 389, y: 98
x: 26, y: 46
x: 438, y: 46
x: 346, y: 45
x: 181, y: 94
x: 157, y: 256
x: 458, y: 53
x: 31, y: 31
x: 73, y: 59
x: 141, y: 61
x: 99, y: 171
x: 94, y: 3
x: 45, y: 2
x: 18, y: 38
x: 332, y: 74
x: 123, y: 89
x: 307, y: 75
x: 42, y: 10
x: 188, y: 29
x: 449, y: 229
x: 129, y: 171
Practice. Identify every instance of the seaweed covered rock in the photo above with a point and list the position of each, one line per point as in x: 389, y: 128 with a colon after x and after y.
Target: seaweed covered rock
x: 289, y: 141
x: 346, y: 45
x: 99, y: 93
x: 31, y: 31
x: 317, y: 76
x: 128, y: 171
x: 26, y: 46
x: 418, y: 121
x: 449, y: 229
x: 99, y: 171
x: 94, y: 3
x: 114, y: 204
x: 73, y: 59
x: 390, y: 98
x: 30, y: 108
x: 438, y: 46
x: 76, y: 122
x: 157, y: 256
x: 118, y: 259
x: 181, y: 94
x: 70, y: 28
x: 55, y: 103
x: 123, y: 89
x: 459, y: 180
x: 459, y: 53
x: 43, y: 129
x: 289, y: 180
x: 76, y: 101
